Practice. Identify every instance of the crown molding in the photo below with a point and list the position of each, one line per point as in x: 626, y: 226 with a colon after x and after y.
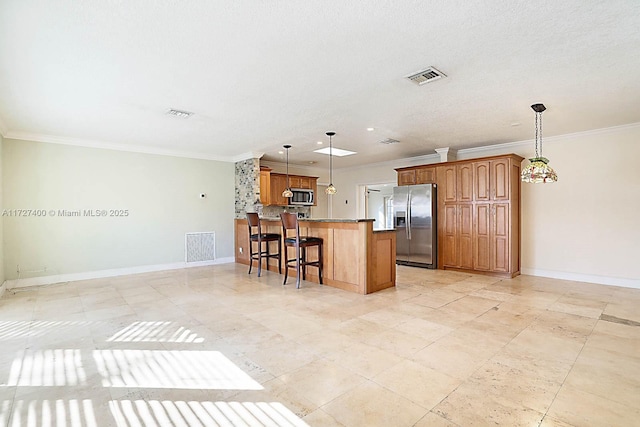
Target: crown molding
x: 246, y: 156
x: 409, y: 161
x: 87, y: 143
x: 547, y: 139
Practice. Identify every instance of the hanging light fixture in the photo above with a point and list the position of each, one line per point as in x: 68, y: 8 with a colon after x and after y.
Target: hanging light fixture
x: 539, y: 169
x: 287, y: 191
x: 330, y: 190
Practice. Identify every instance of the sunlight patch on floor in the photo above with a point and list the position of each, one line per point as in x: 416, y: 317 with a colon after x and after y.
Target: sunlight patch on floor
x: 55, y: 367
x: 205, y: 370
x: 158, y: 331
x: 181, y: 413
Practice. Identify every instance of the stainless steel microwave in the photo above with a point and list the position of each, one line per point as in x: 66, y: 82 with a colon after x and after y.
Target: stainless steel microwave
x: 301, y: 196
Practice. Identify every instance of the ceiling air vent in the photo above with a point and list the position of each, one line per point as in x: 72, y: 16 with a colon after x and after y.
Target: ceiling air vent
x: 389, y: 141
x: 179, y: 113
x: 425, y: 76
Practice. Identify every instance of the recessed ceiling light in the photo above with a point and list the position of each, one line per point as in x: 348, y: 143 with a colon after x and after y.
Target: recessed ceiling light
x: 179, y: 113
x: 514, y: 124
x: 280, y: 152
x: 319, y: 142
x: 370, y: 129
x: 312, y: 163
x: 336, y: 152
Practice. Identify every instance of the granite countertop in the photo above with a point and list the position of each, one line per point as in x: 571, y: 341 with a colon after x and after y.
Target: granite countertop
x: 382, y: 230
x: 322, y: 219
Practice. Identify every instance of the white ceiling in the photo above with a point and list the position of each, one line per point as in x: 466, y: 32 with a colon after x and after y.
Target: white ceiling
x: 260, y: 74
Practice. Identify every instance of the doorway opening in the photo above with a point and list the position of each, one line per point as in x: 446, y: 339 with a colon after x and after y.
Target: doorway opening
x: 377, y: 203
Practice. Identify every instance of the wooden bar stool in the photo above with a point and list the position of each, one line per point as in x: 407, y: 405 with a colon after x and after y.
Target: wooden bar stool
x: 300, y: 243
x: 254, y: 222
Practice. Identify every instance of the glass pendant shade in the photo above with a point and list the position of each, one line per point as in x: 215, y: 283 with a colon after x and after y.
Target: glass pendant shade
x: 287, y: 191
x: 539, y: 171
x: 331, y: 190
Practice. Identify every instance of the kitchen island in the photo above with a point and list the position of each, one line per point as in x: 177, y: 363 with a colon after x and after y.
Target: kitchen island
x: 356, y: 258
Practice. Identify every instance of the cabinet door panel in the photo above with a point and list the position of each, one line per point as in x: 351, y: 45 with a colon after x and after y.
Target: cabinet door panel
x: 407, y: 177
x: 294, y: 181
x: 265, y: 188
x: 465, y: 182
x: 278, y: 184
x: 305, y: 182
x: 465, y: 235
x: 450, y: 249
x: 425, y: 175
x: 500, y: 179
x: 482, y: 237
x: 481, y: 183
x: 500, y: 238
x: 450, y: 184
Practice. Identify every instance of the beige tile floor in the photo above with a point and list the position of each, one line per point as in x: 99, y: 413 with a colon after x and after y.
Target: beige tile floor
x: 215, y: 346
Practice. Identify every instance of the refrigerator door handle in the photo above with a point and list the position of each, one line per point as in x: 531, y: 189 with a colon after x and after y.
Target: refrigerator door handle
x: 409, y: 216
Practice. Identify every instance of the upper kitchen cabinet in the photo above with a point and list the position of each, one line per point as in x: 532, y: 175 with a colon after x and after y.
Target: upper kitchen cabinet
x: 265, y: 185
x: 296, y: 181
x: 277, y: 183
x: 425, y: 174
x: 406, y: 177
x: 492, y: 179
x: 464, y: 173
x: 447, y: 180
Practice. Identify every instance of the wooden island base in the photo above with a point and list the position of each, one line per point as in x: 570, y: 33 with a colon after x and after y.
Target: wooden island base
x: 356, y: 258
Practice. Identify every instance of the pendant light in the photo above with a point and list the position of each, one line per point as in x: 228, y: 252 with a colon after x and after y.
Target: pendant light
x: 539, y: 169
x: 331, y: 190
x: 287, y: 191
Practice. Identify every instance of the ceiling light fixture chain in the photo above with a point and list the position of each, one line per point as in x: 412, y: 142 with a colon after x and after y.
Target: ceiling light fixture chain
x: 330, y: 190
x: 537, y: 127
x: 287, y: 191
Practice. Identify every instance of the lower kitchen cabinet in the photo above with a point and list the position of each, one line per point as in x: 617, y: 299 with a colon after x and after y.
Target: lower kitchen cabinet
x: 458, y: 238
x: 492, y: 237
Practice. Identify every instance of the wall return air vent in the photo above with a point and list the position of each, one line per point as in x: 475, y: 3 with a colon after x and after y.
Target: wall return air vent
x: 426, y: 76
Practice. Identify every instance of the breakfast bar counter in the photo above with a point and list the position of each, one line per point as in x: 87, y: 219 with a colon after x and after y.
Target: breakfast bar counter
x: 356, y: 258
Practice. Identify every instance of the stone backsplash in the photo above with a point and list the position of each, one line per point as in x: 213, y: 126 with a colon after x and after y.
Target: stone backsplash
x: 247, y: 186
x: 275, y: 211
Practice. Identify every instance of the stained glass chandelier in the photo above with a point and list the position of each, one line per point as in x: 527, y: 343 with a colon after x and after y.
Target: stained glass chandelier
x: 538, y: 170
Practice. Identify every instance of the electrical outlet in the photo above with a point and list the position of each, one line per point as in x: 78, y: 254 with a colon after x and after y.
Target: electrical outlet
x: 240, y: 250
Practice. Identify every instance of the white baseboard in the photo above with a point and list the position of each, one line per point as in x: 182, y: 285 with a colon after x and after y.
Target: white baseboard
x: 87, y: 275
x: 578, y: 277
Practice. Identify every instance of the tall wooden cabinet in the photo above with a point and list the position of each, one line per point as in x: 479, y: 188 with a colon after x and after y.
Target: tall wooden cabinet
x: 478, y: 214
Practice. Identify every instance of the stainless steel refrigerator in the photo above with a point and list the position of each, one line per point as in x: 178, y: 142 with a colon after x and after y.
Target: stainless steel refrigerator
x: 414, y: 214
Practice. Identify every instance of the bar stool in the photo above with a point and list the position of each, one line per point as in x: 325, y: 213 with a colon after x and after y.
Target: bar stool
x: 254, y: 221
x: 300, y: 243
